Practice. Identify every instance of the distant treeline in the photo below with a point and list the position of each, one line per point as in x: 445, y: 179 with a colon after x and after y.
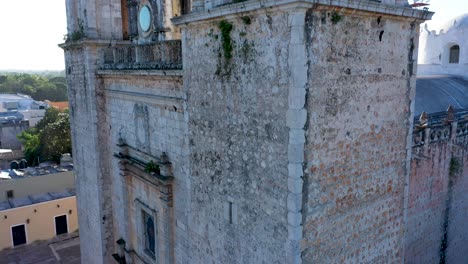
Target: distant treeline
x: 47, y: 86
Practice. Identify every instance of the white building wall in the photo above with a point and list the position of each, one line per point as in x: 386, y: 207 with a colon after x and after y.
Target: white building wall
x: 435, y: 47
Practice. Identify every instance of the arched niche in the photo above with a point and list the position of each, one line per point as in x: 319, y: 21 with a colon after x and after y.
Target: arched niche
x: 454, y: 54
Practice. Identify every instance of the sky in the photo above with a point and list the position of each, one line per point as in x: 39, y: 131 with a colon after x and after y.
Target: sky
x: 29, y: 33
x: 444, y: 10
x: 31, y: 29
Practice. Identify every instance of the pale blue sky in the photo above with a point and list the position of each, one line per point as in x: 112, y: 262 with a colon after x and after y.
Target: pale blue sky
x: 31, y: 29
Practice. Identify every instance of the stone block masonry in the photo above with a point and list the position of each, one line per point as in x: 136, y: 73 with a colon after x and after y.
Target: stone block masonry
x: 358, y: 106
x: 437, y: 230
x: 287, y: 131
x: 239, y: 136
x: 342, y: 134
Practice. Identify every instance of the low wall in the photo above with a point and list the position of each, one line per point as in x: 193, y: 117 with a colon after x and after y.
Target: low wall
x: 442, y: 69
x: 21, y: 188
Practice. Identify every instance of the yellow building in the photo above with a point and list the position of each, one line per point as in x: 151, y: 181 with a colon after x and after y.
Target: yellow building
x: 33, y: 208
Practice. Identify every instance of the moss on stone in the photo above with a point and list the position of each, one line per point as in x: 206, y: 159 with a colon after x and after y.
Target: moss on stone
x: 226, y: 40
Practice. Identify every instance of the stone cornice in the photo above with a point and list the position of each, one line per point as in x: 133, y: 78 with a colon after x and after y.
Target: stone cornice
x: 358, y: 5
x: 141, y: 73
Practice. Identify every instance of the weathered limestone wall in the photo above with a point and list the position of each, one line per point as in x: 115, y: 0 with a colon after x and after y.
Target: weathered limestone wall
x: 95, y: 19
x: 343, y: 109
x: 359, y: 94
x: 91, y: 161
x: 288, y: 143
x: 147, y: 111
x: 457, y: 248
x: 238, y: 137
x: 437, y: 225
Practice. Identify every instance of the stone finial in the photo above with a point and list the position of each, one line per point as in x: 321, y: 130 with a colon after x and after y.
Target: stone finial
x: 450, y: 114
x: 423, y: 118
x: 165, y: 168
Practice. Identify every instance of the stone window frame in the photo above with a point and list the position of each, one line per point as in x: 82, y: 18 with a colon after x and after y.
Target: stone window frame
x: 151, y: 250
x: 454, y: 54
x: 149, y: 32
x: 140, y: 232
x: 132, y: 164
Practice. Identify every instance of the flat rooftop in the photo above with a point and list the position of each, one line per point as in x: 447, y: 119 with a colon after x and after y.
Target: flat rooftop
x: 35, y: 199
x: 43, y: 169
x: 11, y: 96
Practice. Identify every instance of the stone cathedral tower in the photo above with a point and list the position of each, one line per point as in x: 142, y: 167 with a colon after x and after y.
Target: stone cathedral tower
x: 219, y: 131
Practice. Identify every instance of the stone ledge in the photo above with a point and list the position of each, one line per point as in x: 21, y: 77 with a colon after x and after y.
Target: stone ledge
x: 119, y: 73
x: 360, y: 5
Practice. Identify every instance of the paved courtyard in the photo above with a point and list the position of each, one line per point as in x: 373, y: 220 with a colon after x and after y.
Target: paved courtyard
x: 64, y: 249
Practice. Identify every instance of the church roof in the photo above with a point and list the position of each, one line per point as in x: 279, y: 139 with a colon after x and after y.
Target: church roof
x: 459, y: 22
x: 436, y: 93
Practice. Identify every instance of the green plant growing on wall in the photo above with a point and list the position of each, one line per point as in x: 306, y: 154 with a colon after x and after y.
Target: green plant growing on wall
x: 335, y: 17
x: 78, y: 33
x: 226, y: 40
x: 152, y: 167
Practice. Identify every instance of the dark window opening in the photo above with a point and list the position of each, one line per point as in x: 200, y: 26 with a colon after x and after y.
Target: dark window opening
x: 10, y: 194
x: 184, y: 7
x: 454, y: 54
x: 148, y: 224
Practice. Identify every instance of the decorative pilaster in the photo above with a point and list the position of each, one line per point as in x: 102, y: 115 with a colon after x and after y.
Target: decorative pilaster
x: 296, y: 119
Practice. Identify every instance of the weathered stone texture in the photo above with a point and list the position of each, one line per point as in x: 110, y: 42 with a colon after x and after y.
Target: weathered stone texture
x: 437, y: 228
x: 94, y: 204
x: 238, y: 139
x: 428, y: 193
x: 287, y: 131
x: 162, y: 100
x: 358, y: 107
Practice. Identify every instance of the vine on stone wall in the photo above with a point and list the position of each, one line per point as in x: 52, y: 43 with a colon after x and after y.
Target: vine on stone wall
x: 226, y: 40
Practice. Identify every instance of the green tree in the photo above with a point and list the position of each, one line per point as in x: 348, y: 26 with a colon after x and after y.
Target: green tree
x: 31, y: 144
x: 39, y: 87
x: 49, y: 139
x: 55, y: 138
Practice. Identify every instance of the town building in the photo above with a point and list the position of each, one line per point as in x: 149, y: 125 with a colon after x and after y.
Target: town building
x: 32, y: 111
x: 62, y: 106
x: 36, y: 203
x: 12, y: 124
x: 255, y: 132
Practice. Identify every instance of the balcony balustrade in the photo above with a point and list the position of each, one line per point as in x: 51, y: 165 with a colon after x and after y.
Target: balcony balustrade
x: 162, y: 55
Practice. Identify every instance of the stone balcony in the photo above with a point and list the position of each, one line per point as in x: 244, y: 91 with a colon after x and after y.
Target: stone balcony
x: 162, y: 55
